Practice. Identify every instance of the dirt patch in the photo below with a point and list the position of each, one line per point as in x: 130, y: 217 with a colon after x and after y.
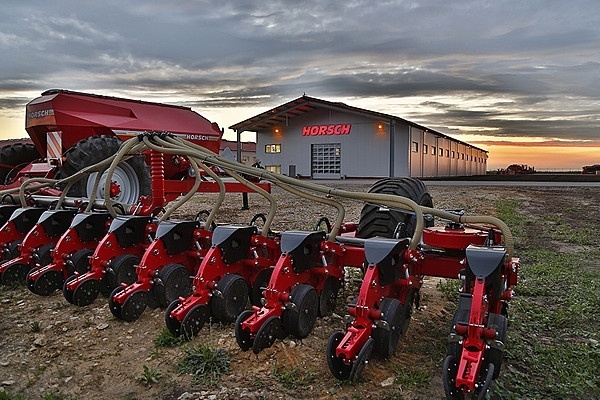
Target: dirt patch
x: 48, y: 345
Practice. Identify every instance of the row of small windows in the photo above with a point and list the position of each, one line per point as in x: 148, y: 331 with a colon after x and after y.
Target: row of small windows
x: 440, y: 152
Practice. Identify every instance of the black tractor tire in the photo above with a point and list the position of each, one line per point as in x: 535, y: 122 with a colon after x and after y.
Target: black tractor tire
x: 383, y: 222
x: 95, y: 149
x: 14, y: 155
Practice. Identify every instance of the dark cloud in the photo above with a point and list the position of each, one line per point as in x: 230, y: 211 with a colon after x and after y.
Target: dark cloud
x: 511, y: 68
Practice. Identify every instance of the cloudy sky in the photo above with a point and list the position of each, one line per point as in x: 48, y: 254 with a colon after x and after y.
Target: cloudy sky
x: 518, y: 78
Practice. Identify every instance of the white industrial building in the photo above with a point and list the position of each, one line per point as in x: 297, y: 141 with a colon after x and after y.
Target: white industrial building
x: 314, y: 138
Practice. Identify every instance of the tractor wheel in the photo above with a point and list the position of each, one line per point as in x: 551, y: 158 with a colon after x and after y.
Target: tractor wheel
x: 233, y: 299
x: 300, y: 320
x: 131, y: 178
x: 388, y: 222
x: 493, y: 355
x: 14, y: 155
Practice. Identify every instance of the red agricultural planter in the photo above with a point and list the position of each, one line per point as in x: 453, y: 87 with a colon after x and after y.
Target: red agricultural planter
x: 19, y: 221
x: 113, y: 260
x: 237, y: 265
x: 71, y: 254
x: 303, y: 286
x: 391, y: 285
x: 164, y: 271
x: 35, y: 250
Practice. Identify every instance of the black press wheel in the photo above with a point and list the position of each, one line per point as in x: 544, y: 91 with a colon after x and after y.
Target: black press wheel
x: 15, y: 274
x: 80, y: 261
x: 114, y: 306
x: 300, y: 319
x: 242, y: 336
x: 132, y: 178
x: 134, y: 305
x: 194, y: 320
x: 44, y: 254
x: 173, y: 325
x: 122, y: 270
x: 450, y: 369
x: 494, y: 355
x: 484, y: 385
x: 259, y: 285
x: 361, y: 360
x: 68, y: 293
x: 233, y: 299
x: 386, y: 338
x: 46, y: 283
x: 13, y: 250
x: 379, y: 221
x: 268, y: 333
x: 176, y: 282
x: 328, y: 296
x: 86, y: 292
x: 338, y: 368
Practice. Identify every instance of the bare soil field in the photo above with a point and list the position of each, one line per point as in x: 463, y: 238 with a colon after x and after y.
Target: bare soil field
x: 50, y: 349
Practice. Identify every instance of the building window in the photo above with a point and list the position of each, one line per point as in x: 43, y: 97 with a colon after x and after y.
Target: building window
x: 453, y: 154
x: 441, y: 153
x: 447, y: 153
x: 415, y: 147
x: 425, y: 149
x: 273, y: 148
x: 273, y: 168
x: 433, y: 150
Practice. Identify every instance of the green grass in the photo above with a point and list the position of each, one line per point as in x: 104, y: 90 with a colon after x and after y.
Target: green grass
x: 166, y: 339
x: 149, y: 375
x: 553, y: 349
x: 205, y: 363
x: 294, y: 377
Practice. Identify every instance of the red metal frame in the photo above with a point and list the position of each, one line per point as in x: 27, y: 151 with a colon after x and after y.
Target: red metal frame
x: 67, y: 245
x: 263, y: 252
x: 156, y: 257
x: 283, y: 280
x: 442, y: 254
x: 33, y: 240
x: 106, y: 251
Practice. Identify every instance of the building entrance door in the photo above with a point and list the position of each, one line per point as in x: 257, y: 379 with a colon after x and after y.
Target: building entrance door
x: 326, y: 161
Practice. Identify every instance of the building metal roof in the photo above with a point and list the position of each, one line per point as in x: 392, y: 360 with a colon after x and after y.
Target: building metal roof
x: 279, y: 115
